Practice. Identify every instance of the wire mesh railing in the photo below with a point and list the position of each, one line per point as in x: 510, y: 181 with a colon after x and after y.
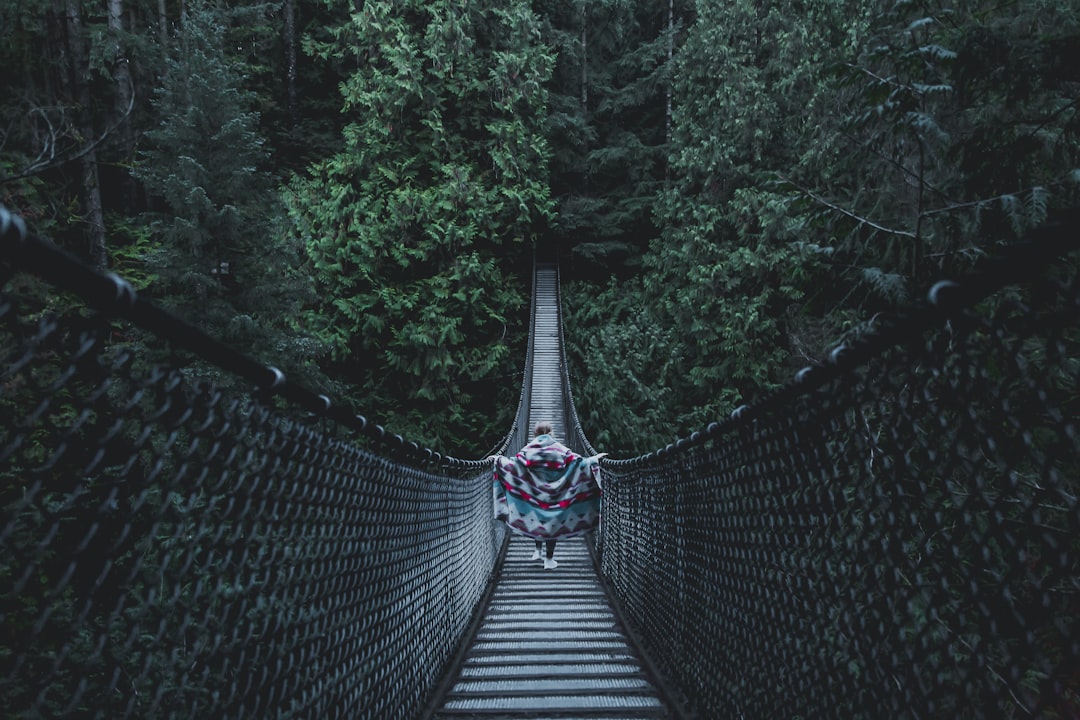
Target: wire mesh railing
x: 895, y: 534
x: 171, y: 551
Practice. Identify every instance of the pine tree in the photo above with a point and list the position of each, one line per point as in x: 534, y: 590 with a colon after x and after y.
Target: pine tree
x: 731, y: 272
x: 414, y: 227
x: 962, y: 117
x: 830, y: 157
x: 220, y: 257
x: 608, y: 126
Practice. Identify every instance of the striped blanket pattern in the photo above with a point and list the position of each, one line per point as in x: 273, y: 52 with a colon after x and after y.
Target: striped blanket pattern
x: 547, y: 491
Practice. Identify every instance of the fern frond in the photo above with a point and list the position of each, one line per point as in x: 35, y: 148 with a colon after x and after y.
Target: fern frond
x: 1013, y: 208
x: 891, y: 286
x: 1038, y: 204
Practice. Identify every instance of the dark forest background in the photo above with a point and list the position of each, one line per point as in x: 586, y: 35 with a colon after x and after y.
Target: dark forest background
x: 353, y: 191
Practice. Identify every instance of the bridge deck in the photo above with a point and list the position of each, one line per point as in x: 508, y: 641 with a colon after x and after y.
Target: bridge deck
x: 551, y: 646
x: 547, y: 396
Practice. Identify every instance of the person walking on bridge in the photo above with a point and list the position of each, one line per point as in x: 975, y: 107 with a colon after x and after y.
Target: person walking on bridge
x: 547, y: 492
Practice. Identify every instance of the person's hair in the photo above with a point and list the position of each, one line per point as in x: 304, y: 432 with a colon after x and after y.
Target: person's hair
x: 543, y: 428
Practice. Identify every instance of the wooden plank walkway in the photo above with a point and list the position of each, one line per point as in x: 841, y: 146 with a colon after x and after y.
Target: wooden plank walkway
x: 546, y: 392
x: 550, y: 646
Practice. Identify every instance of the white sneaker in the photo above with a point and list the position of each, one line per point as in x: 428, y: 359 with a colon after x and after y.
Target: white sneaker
x: 550, y: 564
x: 535, y: 555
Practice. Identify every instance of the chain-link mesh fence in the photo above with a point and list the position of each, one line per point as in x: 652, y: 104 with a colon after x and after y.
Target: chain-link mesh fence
x: 896, y: 534
x: 172, y: 552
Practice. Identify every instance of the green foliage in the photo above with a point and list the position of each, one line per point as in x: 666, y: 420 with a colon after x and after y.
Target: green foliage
x: 415, y: 228
x: 731, y: 276
x: 219, y: 255
x: 132, y: 244
x: 628, y: 369
x: 607, y: 120
x: 964, y: 129
x: 824, y: 160
x: 829, y: 158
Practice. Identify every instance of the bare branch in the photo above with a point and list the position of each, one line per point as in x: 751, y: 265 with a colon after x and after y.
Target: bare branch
x: 887, y: 81
x: 903, y: 168
x: 844, y: 211
x: 994, y: 198
x: 47, y: 159
x: 49, y: 145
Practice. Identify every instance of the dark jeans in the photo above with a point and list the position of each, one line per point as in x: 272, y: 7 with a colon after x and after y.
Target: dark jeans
x: 550, y: 547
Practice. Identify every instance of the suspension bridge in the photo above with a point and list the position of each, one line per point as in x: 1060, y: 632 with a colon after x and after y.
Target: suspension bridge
x: 895, y: 533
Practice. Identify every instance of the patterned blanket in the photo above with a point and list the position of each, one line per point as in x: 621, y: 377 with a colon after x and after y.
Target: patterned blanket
x: 547, y: 491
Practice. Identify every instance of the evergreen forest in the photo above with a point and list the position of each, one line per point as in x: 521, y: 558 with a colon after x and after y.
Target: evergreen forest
x: 353, y: 190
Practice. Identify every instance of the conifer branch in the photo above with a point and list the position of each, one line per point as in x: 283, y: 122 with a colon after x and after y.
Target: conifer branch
x: 987, y: 200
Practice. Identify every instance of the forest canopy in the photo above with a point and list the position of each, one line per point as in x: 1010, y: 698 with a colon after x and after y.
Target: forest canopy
x: 353, y: 190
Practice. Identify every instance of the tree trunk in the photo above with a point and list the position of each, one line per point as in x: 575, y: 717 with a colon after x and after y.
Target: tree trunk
x: 163, y: 20
x: 668, y: 89
x: 123, y: 141
x: 76, y: 80
x: 290, y: 67
x: 584, y: 61
x: 670, y: 55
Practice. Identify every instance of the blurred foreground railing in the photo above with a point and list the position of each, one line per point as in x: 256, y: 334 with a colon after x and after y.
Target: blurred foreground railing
x: 894, y: 535
x: 172, y: 552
